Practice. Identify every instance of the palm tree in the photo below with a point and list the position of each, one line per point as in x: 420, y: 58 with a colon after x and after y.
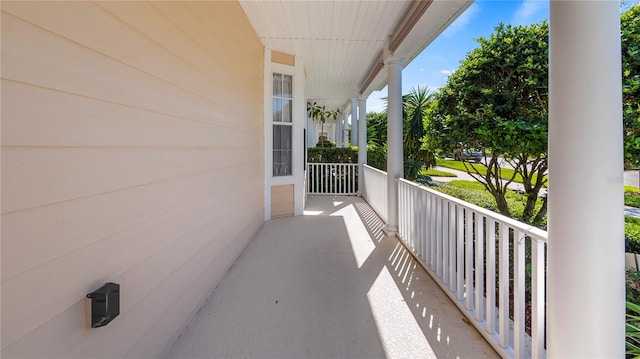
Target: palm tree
x: 414, y: 108
x: 319, y: 113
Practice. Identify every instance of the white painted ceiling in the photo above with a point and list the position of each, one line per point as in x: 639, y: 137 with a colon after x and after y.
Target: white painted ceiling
x: 341, y: 42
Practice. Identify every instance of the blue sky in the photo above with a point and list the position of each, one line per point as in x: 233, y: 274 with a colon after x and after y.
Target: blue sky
x: 432, y: 67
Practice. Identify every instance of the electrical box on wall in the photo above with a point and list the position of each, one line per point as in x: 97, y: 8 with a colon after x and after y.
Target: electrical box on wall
x: 105, y: 304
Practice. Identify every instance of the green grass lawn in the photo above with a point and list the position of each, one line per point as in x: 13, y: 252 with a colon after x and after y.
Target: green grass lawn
x: 632, y: 196
x: 506, y: 173
x: 632, y: 234
x: 632, y: 200
x: 436, y: 173
x: 474, y: 192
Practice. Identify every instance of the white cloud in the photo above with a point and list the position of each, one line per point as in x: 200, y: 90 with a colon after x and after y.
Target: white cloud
x: 446, y: 72
x: 422, y: 69
x: 529, y: 12
x: 462, y: 21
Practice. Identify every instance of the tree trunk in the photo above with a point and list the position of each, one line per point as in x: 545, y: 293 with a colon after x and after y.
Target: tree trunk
x: 541, y: 213
x: 529, y: 206
x: 501, y: 201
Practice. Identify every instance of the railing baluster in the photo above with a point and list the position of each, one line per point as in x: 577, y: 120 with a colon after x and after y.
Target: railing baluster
x: 432, y: 230
x: 314, y: 182
x: 460, y: 251
x: 334, y: 173
x: 518, y: 293
x: 503, y: 282
x: 479, y: 266
x: 323, y: 179
x: 468, y: 258
x: 491, y: 276
x: 452, y: 247
x: 318, y: 181
x: 423, y: 226
x: 427, y: 234
x: 445, y: 242
x: 417, y: 204
x: 401, y: 218
x: 537, y: 299
x: 346, y: 183
x: 439, y: 237
x: 341, y: 179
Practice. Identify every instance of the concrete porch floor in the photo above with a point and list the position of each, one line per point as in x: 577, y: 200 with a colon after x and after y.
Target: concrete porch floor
x: 328, y: 284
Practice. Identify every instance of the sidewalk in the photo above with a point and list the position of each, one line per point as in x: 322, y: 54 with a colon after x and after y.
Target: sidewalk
x: 467, y: 177
x: 631, y: 178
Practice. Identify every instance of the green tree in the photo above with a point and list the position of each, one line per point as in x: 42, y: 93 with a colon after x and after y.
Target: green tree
x: 497, y: 100
x: 630, y: 37
x: 320, y: 113
x: 414, y: 109
x: 377, y: 128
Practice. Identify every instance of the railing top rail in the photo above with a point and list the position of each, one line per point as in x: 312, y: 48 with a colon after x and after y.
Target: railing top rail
x: 375, y: 169
x: 527, y: 229
x: 322, y: 163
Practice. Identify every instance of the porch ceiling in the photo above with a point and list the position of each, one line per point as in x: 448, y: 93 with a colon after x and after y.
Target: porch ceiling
x: 342, y: 42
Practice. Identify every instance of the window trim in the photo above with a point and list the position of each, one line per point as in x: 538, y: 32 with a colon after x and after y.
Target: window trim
x: 282, y: 123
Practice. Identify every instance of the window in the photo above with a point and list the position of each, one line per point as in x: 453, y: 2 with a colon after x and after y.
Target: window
x: 282, y: 124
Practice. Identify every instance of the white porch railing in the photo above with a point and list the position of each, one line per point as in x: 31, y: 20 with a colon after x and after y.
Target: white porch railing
x: 332, y: 178
x: 484, y: 261
x: 375, y: 184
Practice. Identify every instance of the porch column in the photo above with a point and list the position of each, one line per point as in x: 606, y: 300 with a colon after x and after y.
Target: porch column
x: 586, y: 290
x: 395, y: 165
x: 345, y: 133
x: 354, y: 121
x: 339, y: 131
x: 362, y: 138
x: 311, y: 130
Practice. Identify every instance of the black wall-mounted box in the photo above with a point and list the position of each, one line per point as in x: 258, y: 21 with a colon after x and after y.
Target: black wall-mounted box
x: 105, y: 304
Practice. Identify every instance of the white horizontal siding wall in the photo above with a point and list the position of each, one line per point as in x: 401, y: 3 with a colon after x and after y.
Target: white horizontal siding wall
x: 132, y: 151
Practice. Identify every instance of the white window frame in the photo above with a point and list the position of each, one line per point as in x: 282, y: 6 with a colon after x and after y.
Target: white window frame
x: 298, y: 126
x: 283, y: 123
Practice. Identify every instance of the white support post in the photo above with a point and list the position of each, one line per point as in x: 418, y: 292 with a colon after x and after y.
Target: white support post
x: 339, y: 131
x: 345, y: 133
x: 362, y: 147
x: 395, y: 162
x: 586, y: 292
x: 310, y: 132
x: 354, y: 121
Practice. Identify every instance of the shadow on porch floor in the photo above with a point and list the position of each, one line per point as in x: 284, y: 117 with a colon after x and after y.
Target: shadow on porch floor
x: 328, y: 284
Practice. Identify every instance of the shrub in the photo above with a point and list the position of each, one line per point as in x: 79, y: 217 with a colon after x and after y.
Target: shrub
x: 632, y: 281
x: 632, y: 330
x: 326, y: 144
x: 631, y: 189
x: 426, y: 180
x: 377, y: 157
x: 332, y: 155
x: 632, y: 235
x: 632, y: 200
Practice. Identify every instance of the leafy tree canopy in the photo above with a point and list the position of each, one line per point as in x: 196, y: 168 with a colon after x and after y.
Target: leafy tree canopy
x: 497, y: 100
x: 377, y: 128
x: 630, y: 28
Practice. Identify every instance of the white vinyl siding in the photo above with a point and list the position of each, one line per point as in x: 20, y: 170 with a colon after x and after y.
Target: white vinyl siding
x: 132, y: 152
